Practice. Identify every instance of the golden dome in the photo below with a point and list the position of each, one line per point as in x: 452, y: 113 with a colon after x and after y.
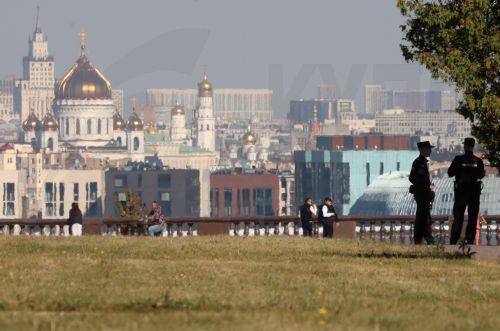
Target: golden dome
x: 32, y: 123
x: 205, y: 87
x: 83, y: 81
x: 249, y: 137
x: 134, y: 122
x: 49, y: 123
x: 178, y: 110
x: 119, y: 124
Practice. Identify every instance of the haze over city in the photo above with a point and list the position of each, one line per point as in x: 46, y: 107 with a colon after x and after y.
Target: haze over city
x: 243, y: 40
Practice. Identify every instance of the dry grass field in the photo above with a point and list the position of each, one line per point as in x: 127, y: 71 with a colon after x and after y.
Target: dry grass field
x: 223, y: 283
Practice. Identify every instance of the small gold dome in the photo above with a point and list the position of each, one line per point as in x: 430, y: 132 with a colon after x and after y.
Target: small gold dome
x: 49, y: 123
x: 249, y: 137
x: 134, y: 123
x: 32, y: 123
x: 119, y: 124
x: 178, y: 110
x: 205, y: 87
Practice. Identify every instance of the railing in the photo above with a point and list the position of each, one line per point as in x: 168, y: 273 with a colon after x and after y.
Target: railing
x: 393, y: 229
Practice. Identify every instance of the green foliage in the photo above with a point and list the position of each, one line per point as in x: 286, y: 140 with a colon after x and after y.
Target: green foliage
x: 458, y: 41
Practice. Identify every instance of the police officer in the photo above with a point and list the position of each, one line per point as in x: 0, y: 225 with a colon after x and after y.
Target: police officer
x: 421, y: 189
x: 467, y: 170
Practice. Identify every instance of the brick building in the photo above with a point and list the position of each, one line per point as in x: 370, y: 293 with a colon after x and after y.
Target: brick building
x: 244, y: 194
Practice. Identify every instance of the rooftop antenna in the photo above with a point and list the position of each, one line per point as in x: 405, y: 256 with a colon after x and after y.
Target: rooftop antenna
x: 37, y: 26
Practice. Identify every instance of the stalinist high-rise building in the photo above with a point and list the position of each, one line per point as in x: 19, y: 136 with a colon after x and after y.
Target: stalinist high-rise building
x: 205, y: 121
x: 35, y: 91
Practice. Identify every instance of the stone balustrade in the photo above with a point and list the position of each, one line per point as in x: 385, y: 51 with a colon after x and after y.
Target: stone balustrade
x: 392, y: 229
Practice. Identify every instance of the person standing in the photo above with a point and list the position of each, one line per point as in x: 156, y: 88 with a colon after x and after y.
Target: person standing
x: 327, y: 216
x: 421, y: 189
x: 75, y: 220
x: 467, y: 169
x: 307, y: 212
x: 157, y: 219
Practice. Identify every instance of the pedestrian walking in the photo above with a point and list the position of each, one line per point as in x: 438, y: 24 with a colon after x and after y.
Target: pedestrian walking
x: 467, y: 169
x: 422, y: 190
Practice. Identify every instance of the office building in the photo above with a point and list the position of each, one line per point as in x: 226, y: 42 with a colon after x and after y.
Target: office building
x: 177, y: 191
x: 376, y: 99
x: 327, y: 92
x: 35, y: 91
x: 344, y: 175
x: 117, y: 96
x: 229, y: 104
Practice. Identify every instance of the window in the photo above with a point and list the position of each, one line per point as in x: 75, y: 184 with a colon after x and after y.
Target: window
x: 164, y: 181
x: 61, y: 199
x: 66, y: 127
x: 262, y: 202
x: 165, y: 204
x: 120, y: 180
x: 78, y: 126
x: 8, y: 199
x: 50, y: 144
x: 50, y: 199
x: 89, y: 126
x: 119, y: 141
x: 76, y: 192
x: 398, y: 166
x: 381, y: 168
x: 238, y: 202
x: 367, y: 173
x: 245, y: 201
x: 283, y: 183
x: 99, y: 126
x: 228, y: 200
x: 136, y: 143
x: 215, y: 208
x: 139, y: 180
x: 92, y: 203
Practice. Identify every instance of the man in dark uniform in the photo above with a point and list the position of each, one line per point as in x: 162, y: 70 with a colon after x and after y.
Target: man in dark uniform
x: 467, y: 170
x: 421, y: 189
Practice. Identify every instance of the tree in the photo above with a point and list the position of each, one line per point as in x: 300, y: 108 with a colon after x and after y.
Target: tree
x: 458, y: 41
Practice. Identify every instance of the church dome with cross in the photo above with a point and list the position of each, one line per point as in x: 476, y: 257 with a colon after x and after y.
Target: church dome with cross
x: 83, y: 80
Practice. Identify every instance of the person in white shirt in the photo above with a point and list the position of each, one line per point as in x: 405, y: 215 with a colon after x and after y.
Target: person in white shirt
x: 327, y: 216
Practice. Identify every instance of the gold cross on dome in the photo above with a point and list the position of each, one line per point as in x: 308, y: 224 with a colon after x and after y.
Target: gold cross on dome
x: 83, y: 38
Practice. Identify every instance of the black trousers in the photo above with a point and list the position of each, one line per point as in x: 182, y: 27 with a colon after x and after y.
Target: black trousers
x: 423, y: 220
x: 307, y: 228
x: 465, y: 198
x: 328, y: 229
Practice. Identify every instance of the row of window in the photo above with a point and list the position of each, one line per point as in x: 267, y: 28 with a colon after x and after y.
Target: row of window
x: 260, y: 205
x: 54, y: 198
x: 65, y: 126
x: 122, y: 181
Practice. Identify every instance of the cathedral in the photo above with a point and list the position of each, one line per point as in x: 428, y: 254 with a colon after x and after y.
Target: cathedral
x: 83, y: 118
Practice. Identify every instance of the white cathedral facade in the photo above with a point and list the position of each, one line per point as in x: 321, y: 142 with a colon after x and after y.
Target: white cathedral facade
x: 83, y: 117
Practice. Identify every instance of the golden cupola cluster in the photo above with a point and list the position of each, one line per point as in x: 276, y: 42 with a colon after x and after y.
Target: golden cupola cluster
x: 204, y: 87
x: 32, y: 123
x: 49, y: 123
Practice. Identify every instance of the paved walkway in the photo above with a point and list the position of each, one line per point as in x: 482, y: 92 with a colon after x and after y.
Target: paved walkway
x: 488, y: 253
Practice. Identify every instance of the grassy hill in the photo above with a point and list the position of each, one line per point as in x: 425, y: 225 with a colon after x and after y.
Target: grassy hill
x: 242, y: 284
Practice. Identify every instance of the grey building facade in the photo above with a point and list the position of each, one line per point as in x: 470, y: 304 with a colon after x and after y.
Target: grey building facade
x: 177, y: 191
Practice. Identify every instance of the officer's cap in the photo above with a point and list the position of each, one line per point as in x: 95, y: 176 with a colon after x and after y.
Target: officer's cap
x: 469, y: 142
x: 424, y: 144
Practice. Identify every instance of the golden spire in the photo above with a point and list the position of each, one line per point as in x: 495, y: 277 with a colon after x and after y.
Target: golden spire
x: 83, y: 39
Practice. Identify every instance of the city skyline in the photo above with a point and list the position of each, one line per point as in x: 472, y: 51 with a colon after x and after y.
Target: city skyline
x: 345, y: 52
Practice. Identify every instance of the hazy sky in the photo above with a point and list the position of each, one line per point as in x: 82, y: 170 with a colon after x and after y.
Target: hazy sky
x: 244, y: 39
